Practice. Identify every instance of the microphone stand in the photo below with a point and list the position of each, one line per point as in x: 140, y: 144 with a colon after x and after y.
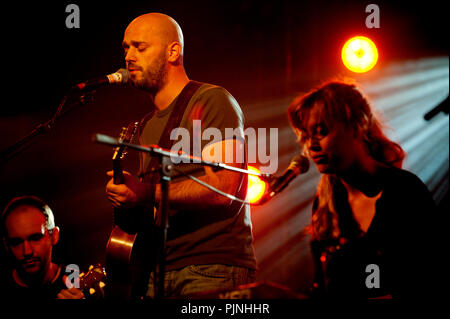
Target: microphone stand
x: 441, y: 107
x: 26, y: 141
x: 166, y: 168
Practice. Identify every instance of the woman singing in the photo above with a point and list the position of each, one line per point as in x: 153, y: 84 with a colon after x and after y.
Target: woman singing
x: 370, y: 217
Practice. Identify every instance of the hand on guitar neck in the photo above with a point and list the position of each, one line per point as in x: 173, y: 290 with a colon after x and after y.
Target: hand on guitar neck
x: 129, y: 193
x: 123, y: 190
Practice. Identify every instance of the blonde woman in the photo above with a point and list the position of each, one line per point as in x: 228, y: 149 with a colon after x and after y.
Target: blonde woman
x: 369, y: 216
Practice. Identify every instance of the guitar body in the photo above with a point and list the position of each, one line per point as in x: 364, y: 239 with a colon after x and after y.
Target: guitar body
x: 126, y: 260
x: 126, y: 264
x: 120, y: 245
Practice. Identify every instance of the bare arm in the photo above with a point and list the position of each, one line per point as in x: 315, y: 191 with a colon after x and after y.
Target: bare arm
x: 189, y: 194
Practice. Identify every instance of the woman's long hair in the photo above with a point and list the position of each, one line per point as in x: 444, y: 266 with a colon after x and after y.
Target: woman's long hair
x: 343, y: 102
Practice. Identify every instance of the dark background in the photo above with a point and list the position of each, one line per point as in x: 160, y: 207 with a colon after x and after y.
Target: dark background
x: 258, y: 51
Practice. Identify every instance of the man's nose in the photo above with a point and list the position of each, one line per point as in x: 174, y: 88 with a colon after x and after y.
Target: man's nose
x: 130, y: 56
x: 27, y: 248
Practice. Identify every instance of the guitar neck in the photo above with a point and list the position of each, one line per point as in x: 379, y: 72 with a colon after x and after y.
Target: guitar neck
x: 117, y: 172
x: 92, y: 283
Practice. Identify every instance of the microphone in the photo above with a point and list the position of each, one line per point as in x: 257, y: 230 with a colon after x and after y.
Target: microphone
x: 299, y: 165
x: 120, y: 77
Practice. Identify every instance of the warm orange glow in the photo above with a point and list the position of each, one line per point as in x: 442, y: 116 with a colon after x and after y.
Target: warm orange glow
x: 256, y: 187
x: 359, y: 54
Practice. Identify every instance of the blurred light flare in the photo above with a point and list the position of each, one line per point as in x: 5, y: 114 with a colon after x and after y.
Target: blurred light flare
x: 359, y: 54
x: 256, y: 187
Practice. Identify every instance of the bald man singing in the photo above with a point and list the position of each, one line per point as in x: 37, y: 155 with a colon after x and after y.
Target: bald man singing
x: 209, y: 239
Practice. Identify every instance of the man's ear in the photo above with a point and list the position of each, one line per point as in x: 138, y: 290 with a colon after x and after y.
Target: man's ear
x: 174, y: 52
x: 55, y: 235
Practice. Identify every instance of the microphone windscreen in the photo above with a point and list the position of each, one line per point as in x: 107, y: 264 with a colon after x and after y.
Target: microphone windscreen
x: 125, y: 75
x: 299, y: 164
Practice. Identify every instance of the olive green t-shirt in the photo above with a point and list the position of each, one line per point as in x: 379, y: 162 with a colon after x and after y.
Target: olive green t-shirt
x: 213, y: 236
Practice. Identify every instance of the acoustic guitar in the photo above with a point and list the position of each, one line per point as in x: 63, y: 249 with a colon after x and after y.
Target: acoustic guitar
x: 125, y: 250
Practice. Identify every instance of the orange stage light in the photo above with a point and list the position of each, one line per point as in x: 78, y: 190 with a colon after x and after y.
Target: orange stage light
x: 256, y: 187
x: 359, y: 54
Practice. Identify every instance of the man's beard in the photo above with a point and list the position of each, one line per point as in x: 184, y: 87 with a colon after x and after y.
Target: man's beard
x: 153, y: 78
x: 35, y: 276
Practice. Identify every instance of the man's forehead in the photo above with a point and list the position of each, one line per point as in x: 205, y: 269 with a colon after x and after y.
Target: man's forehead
x: 26, y: 216
x: 141, y: 32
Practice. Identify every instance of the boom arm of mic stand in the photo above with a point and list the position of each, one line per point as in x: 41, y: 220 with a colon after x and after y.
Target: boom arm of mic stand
x: 26, y: 141
x: 157, y: 151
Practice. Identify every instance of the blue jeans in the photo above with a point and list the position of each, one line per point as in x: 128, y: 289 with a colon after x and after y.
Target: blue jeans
x: 200, y: 278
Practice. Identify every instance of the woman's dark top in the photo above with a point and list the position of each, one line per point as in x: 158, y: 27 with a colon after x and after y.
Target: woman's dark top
x: 393, y: 257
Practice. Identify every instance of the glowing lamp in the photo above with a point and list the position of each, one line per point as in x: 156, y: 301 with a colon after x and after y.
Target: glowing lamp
x: 256, y: 187
x: 359, y: 54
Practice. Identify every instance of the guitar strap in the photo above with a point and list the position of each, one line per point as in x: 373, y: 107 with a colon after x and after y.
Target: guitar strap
x: 151, y: 174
